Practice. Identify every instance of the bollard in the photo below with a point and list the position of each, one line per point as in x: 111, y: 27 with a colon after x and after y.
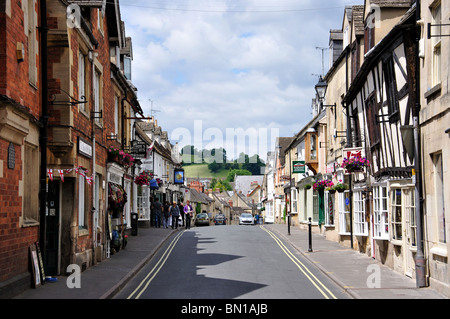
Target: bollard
x: 309, y: 234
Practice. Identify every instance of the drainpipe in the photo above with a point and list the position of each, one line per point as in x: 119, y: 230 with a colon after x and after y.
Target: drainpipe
x: 43, y: 131
x: 420, y: 258
x: 95, y: 210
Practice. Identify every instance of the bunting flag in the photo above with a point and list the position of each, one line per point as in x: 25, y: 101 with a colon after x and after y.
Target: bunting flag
x: 150, y: 148
x: 78, y: 170
x: 61, y: 174
x: 90, y: 180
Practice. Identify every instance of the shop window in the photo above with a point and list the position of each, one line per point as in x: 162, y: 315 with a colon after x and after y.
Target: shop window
x: 380, y: 213
x: 396, y: 214
x: 344, y: 213
x: 359, y: 213
x: 329, y: 209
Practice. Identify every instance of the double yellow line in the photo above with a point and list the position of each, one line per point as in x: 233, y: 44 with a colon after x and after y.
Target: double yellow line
x: 136, y: 294
x: 308, y: 274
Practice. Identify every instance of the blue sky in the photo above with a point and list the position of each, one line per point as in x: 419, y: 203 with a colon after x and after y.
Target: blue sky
x: 229, y: 64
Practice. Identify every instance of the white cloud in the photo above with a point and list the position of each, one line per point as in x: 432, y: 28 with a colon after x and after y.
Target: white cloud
x: 238, y: 68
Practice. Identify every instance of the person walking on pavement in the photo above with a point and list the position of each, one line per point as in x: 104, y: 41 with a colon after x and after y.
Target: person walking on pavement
x: 188, y: 213
x: 175, y: 212
x: 181, y: 210
x: 166, y: 215
x: 157, y: 211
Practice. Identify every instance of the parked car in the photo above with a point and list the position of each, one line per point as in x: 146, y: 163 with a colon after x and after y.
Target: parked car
x: 202, y: 219
x: 220, y: 219
x: 246, y: 219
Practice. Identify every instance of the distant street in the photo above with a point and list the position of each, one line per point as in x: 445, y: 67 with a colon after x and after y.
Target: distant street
x: 226, y: 262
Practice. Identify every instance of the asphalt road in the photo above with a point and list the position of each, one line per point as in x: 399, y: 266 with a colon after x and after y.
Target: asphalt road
x: 229, y: 262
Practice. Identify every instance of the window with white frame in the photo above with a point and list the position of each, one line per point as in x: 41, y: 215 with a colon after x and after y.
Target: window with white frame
x: 81, y: 76
x: 315, y: 216
x: 359, y: 214
x: 31, y: 33
x: 329, y: 209
x: 410, y: 215
x: 97, y: 95
x: 439, y: 196
x: 436, y: 13
x: 344, y: 213
x: 81, y: 201
x: 396, y: 214
x: 116, y: 116
x: 294, y: 200
x: 380, y: 213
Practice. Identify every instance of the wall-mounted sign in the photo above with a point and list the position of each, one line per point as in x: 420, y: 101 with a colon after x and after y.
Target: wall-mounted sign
x: 179, y: 176
x: 84, y: 147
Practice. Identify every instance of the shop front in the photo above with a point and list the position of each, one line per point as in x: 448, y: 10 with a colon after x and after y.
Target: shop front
x: 116, y: 222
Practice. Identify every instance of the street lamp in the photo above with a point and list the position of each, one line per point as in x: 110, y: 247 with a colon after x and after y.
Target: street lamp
x: 321, y: 89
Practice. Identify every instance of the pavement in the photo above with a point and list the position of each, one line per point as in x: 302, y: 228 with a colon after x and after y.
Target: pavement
x: 359, y: 275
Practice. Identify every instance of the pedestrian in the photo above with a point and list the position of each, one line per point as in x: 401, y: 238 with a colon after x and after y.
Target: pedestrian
x: 157, y: 209
x: 188, y: 214
x: 166, y: 214
x: 181, y: 209
x: 175, y: 212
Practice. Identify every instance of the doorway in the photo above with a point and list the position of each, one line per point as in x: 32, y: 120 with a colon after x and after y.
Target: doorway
x: 52, y: 220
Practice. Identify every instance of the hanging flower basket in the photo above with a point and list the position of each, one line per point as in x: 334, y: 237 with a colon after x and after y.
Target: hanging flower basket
x: 143, y: 179
x: 321, y: 185
x: 355, y: 164
x: 126, y: 159
x: 113, y: 154
x: 340, y: 187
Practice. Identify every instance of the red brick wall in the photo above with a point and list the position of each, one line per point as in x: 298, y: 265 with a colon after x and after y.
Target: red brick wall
x: 14, y: 240
x: 14, y: 83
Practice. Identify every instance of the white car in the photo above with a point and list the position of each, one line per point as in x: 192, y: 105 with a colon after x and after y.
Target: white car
x: 246, y: 219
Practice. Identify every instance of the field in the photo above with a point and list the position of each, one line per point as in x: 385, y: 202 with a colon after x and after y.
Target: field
x: 201, y: 170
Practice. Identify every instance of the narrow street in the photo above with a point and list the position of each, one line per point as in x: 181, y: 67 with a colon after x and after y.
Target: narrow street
x: 231, y: 262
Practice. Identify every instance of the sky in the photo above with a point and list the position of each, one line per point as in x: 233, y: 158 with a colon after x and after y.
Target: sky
x: 230, y: 73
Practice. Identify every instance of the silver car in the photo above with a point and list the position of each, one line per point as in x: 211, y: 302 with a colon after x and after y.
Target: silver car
x: 246, y: 219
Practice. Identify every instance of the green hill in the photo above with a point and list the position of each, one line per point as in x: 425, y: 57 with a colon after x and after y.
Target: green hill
x: 201, y: 170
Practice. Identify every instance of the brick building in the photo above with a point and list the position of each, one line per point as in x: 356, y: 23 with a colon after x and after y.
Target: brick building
x: 91, y: 104
x: 91, y: 107
x: 19, y: 140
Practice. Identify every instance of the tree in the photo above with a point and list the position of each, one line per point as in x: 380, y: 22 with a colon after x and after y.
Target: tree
x: 214, y: 167
x: 232, y: 173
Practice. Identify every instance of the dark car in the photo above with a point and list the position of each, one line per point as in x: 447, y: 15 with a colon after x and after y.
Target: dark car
x: 220, y: 219
x: 202, y: 219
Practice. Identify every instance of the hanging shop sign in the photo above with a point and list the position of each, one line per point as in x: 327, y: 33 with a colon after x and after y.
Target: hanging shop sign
x: 179, y: 176
x: 138, y: 149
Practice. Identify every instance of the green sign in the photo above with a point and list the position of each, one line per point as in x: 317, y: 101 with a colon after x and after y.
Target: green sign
x: 298, y: 167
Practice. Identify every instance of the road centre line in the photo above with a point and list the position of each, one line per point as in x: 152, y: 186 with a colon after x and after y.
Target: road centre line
x: 313, y: 279
x: 146, y: 281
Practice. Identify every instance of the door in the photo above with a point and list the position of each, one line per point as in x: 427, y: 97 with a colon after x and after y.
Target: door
x: 52, y: 229
x: 410, y: 229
